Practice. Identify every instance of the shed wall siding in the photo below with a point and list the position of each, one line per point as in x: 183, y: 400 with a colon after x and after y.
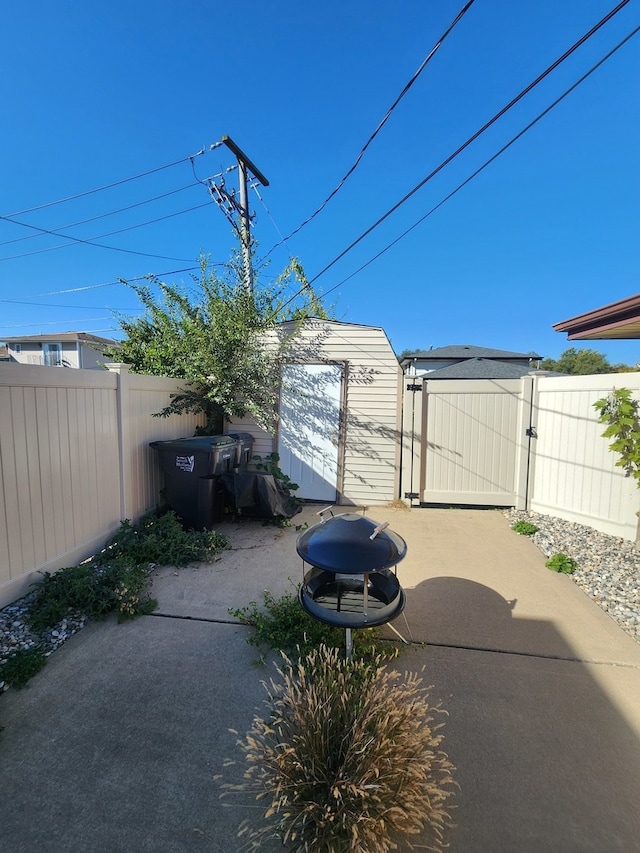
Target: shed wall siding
x: 370, y: 424
x: 370, y: 435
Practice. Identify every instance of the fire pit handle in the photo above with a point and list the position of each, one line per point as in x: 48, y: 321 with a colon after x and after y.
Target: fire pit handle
x: 322, y: 512
x: 379, y: 529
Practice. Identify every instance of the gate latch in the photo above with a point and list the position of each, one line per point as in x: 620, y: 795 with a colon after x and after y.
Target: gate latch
x: 531, y: 432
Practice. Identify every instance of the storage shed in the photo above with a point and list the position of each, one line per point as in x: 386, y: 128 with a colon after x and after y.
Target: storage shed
x: 339, y: 434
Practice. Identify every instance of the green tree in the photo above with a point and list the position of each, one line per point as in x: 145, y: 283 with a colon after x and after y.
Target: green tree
x: 214, y: 336
x: 578, y: 362
x: 407, y: 352
x: 621, y: 413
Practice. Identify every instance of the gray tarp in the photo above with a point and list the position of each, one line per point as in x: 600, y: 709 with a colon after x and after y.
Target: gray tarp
x: 259, y: 495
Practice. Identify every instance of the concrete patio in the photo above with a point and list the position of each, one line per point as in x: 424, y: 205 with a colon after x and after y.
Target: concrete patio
x: 115, y: 744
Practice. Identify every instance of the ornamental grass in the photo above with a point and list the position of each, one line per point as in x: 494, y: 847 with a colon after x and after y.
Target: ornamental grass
x: 349, y: 759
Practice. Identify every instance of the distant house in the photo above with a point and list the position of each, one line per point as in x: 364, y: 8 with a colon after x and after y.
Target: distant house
x: 469, y: 362
x: 65, y: 349
x: 4, y: 353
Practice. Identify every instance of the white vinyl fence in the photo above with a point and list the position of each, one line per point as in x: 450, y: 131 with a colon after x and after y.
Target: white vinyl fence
x: 75, y: 461
x: 573, y: 472
x: 75, y: 457
x: 533, y: 443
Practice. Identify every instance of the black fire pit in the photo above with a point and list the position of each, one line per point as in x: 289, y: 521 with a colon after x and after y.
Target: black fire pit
x: 351, y: 582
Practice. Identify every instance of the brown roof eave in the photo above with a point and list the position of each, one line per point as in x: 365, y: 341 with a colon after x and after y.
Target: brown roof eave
x: 602, y: 320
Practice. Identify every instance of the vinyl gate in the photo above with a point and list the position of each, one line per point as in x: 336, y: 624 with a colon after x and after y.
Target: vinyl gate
x: 467, y: 442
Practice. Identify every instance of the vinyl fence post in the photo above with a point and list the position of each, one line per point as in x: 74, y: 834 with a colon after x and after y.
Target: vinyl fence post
x: 124, y: 433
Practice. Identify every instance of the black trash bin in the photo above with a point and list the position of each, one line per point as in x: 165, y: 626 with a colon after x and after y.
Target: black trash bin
x: 244, y: 449
x: 191, y: 469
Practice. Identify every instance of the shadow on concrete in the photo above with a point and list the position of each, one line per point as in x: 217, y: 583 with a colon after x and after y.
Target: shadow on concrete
x: 545, y: 756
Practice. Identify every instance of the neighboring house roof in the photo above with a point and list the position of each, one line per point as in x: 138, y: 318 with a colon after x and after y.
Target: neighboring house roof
x: 479, y: 368
x: 466, y: 351
x: 618, y: 320
x: 81, y: 337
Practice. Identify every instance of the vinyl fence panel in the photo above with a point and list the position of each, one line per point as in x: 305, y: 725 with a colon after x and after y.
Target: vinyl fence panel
x: 574, y: 475
x: 74, y: 461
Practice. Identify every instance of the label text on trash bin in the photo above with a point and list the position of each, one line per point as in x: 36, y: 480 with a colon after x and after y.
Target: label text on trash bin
x: 185, y: 463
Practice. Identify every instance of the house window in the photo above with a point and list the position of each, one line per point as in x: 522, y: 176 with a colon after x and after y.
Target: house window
x: 53, y: 355
x: 17, y: 348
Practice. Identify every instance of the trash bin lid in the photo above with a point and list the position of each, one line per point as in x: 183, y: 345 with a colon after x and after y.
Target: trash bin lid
x: 240, y: 436
x: 201, y: 443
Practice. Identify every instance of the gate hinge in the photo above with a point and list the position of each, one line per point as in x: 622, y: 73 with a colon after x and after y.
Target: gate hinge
x: 414, y: 387
x: 412, y: 496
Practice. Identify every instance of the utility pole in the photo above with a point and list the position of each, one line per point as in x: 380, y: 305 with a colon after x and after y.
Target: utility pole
x: 244, y: 167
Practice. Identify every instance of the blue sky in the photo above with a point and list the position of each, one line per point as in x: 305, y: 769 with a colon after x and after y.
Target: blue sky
x: 93, y: 95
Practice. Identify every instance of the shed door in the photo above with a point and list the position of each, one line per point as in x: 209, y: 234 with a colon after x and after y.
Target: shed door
x: 309, y: 432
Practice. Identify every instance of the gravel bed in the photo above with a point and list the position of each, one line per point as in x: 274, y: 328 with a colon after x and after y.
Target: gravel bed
x: 608, y: 567
x: 15, y: 633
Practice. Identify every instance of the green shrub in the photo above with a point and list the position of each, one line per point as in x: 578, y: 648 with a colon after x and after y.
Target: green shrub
x: 118, y: 578
x: 621, y: 412
x: 525, y: 528
x: 21, y: 666
x: 79, y: 588
x: 162, y: 539
x: 562, y: 563
x: 284, y: 626
x: 349, y: 758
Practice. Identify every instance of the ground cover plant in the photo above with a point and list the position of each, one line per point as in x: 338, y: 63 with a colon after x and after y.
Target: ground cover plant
x: 562, y: 563
x: 525, y: 528
x: 21, y: 666
x: 117, y: 579
x: 283, y: 625
x: 348, y: 760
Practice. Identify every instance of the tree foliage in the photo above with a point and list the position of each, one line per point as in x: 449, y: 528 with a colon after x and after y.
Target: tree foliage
x: 220, y: 338
x: 620, y: 411
x: 582, y: 362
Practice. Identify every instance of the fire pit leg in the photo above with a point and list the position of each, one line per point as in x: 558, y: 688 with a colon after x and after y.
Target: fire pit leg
x: 395, y: 631
x: 349, y: 643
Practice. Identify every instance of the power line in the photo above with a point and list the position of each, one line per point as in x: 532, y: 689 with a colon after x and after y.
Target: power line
x: 115, y: 183
x: 51, y: 323
x: 471, y: 139
x: 475, y: 136
x: 118, y: 281
x: 489, y: 161
x: 101, y: 215
x: 91, y: 240
x: 381, y: 124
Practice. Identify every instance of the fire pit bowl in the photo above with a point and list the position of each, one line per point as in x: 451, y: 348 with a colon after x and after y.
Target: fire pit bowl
x: 339, y: 599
